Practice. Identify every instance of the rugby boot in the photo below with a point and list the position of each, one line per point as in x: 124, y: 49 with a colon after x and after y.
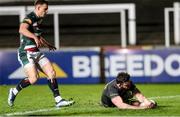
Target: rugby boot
x: 64, y: 102
x: 11, y: 97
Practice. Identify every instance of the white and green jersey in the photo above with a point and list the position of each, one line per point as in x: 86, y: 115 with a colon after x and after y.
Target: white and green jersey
x: 34, y: 22
x: 28, y: 51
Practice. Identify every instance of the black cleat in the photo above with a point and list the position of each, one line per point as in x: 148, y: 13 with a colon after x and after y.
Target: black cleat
x: 11, y: 97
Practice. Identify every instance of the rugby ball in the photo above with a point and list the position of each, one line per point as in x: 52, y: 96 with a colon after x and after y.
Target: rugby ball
x: 145, y: 104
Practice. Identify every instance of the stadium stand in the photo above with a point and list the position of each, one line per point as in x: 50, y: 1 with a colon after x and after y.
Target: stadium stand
x: 92, y: 29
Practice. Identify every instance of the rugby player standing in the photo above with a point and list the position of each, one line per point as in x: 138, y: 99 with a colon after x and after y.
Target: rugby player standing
x: 32, y: 59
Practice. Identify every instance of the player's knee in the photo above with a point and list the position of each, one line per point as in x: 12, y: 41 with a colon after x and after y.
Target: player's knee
x: 52, y: 74
x: 32, y: 80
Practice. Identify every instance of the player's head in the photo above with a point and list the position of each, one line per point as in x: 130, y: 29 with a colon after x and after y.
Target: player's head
x: 41, y: 7
x: 122, y: 77
x: 123, y: 81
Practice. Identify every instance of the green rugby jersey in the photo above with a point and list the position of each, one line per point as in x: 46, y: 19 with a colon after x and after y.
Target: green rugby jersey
x: 34, y: 27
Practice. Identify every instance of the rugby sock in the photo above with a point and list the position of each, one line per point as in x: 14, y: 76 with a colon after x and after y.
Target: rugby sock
x: 58, y: 98
x: 15, y: 91
x: 53, y: 85
x: 22, y: 84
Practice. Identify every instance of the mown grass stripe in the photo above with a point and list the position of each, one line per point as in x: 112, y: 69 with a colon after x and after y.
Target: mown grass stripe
x: 52, y: 109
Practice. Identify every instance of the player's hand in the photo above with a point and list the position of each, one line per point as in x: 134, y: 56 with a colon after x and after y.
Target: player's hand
x: 152, y: 105
x: 37, y: 41
x: 148, y: 104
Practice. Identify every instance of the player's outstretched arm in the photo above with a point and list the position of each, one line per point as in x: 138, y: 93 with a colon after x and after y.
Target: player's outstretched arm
x: 121, y: 105
x: 144, y: 101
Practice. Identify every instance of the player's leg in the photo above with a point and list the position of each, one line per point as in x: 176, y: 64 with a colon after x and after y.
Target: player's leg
x: 31, y: 79
x: 31, y: 73
x: 48, y: 69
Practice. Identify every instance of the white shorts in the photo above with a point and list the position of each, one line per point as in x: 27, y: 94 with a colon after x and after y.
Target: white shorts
x: 32, y: 58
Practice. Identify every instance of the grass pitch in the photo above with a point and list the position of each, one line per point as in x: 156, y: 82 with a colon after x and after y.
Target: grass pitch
x: 38, y: 100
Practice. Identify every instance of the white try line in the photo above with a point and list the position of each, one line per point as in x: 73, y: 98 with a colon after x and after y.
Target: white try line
x: 52, y: 109
x: 30, y: 112
x: 164, y: 97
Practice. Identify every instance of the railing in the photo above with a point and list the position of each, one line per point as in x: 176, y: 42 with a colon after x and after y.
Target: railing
x: 176, y: 16
x: 13, y: 10
x: 78, y: 9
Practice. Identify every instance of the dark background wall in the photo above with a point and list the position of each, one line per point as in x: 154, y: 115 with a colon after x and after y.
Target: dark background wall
x: 93, y: 29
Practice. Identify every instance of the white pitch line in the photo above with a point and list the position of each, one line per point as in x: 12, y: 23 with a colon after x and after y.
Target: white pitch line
x: 164, y: 97
x: 29, y: 112
x: 52, y: 109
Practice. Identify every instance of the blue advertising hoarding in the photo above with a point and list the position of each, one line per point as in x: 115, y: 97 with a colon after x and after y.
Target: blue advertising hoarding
x: 83, y: 66
x: 144, y: 66
x: 72, y: 67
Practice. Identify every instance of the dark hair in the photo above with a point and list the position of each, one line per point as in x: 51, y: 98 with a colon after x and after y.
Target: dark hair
x: 40, y: 2
x: 122, y: 77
